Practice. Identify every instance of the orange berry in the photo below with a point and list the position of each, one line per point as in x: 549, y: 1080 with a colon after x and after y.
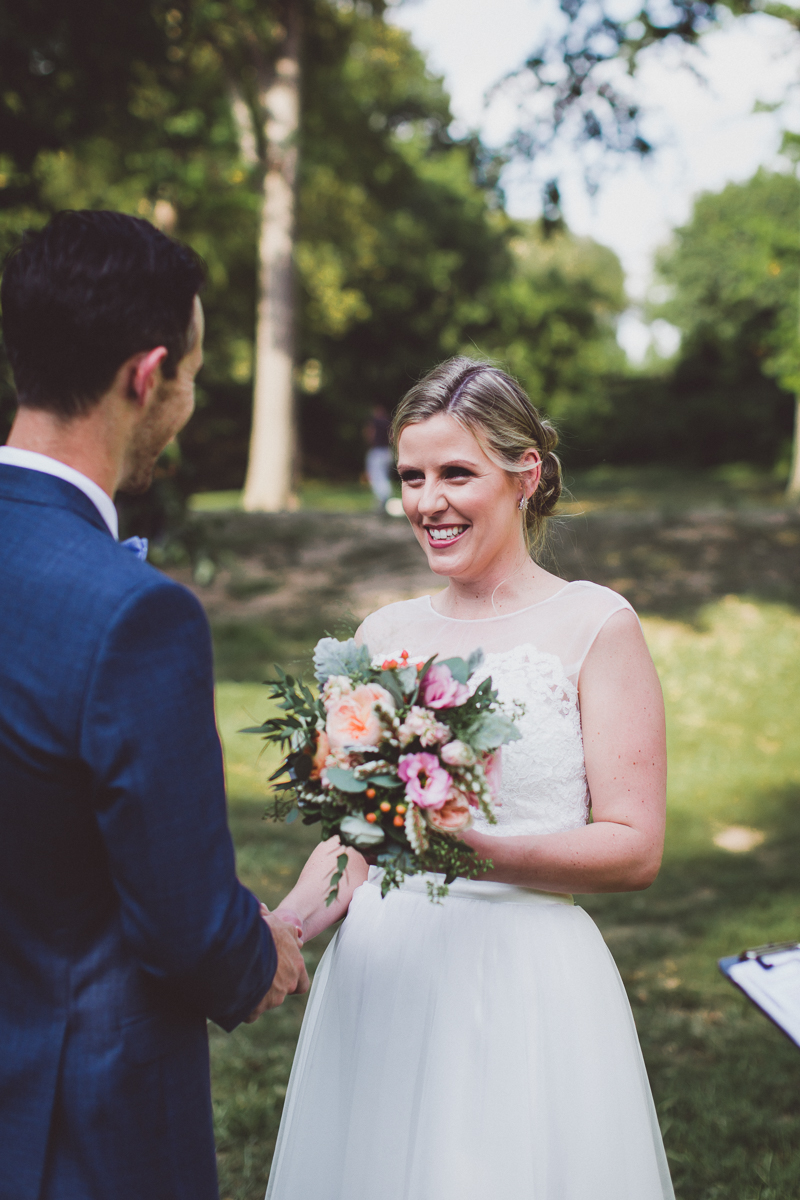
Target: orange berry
x: 401, y: 808
x: 372, y: 818
x: 385, y: 806
x: 404, y: 654
x: 370, y: 793
x: 398, y: 821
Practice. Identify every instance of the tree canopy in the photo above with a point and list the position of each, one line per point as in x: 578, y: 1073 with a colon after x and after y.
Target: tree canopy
x: 577, y: 84
x: 404, y: 254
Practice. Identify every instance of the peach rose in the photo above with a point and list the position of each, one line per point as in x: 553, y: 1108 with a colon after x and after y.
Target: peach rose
x: 453, y: 816
x: 493, y: 771
x: 353, y: 719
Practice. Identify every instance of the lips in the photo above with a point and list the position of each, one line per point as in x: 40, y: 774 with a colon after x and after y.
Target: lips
x: 444, y: 535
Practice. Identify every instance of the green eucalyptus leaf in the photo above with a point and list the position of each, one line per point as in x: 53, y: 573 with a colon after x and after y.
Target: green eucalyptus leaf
x: 475, y: 660
x: 459, y: 669
x: 359, y: 832
x: 407, y: 678
x: 345, y: 781
x: 388, y: 680
x: 491, y: 731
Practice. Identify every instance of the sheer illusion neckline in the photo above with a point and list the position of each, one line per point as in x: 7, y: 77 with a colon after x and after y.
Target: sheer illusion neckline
x: 500, y: 616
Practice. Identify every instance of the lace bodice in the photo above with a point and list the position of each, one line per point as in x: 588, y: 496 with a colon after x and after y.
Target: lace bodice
x: 534, y: 657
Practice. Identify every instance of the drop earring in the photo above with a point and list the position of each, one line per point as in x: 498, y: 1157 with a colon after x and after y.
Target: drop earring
x: 523, y: 503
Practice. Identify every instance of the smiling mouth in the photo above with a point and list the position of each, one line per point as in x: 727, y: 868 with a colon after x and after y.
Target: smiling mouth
x: 444, y: 535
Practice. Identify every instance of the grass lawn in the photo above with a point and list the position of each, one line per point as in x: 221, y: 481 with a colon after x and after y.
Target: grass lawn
x: 315, y: 494
x: 726, y: 1083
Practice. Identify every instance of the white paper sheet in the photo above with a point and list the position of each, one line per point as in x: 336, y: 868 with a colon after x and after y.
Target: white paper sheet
x: 775, y: 987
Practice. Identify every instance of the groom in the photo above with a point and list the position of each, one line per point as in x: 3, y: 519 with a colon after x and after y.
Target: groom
x: 122, y: 923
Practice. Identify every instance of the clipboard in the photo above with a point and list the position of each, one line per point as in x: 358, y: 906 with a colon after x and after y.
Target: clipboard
x: 770, y: 978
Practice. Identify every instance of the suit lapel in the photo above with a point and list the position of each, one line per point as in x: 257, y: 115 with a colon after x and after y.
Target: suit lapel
x: 24, y: 486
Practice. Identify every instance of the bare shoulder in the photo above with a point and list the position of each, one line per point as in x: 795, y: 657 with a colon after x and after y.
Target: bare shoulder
x: 618, y: 657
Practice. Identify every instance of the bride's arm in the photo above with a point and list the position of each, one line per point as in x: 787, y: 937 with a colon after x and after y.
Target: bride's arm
x: 622, y: 716
x: 306, y: 900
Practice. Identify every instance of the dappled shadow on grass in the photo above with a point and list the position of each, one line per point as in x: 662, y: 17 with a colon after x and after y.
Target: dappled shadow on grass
x: 725, y: 1081
x: 674, y: 563
x: 246, y: 651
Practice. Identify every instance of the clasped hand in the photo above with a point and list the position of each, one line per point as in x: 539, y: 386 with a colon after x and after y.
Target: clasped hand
x: 291, y: 977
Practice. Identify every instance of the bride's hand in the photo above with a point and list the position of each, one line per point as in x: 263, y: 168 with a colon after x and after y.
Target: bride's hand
x: 288, y: 916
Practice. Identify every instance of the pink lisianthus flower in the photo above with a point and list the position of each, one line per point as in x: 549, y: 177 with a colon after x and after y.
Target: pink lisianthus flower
x: 453, y: 816
x: 427, y: 783
x: 353, y: 718
x: 440, y: 690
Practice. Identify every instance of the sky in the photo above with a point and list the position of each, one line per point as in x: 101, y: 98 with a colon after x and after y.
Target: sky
x: 699, y: 110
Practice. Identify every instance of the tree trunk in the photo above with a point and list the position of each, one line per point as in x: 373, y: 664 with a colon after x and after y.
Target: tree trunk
x: 793, y: 486
x: 268, y: 487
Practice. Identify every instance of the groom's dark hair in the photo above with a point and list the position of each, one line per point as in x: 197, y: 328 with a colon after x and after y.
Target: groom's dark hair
x: 84, y: 294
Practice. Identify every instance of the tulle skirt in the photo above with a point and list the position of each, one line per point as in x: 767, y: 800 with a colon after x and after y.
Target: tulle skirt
x: 478, y: 1049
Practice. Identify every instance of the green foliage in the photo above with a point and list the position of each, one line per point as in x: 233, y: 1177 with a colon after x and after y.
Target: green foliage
x: 734, y: 273
x: 404, y: 255
x: 399, y: 242
x: 733, y: 276
x: 553, y: 324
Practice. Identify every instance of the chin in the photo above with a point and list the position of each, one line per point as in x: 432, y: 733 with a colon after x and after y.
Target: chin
x: 442, y: 565
x: 138, y: 482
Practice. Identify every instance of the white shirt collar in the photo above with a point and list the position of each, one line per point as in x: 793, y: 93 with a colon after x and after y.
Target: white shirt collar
x: 13, y: 457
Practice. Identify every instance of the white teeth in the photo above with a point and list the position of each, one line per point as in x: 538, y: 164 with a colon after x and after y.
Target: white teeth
x: 446, y: 535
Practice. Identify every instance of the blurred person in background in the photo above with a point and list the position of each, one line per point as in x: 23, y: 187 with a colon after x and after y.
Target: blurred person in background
x: 378, y: 464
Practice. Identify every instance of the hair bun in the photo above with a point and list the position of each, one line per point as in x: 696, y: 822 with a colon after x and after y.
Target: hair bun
x: 546, y: 497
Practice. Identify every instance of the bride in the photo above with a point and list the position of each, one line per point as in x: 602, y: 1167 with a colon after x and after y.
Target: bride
x: 484, y: 1048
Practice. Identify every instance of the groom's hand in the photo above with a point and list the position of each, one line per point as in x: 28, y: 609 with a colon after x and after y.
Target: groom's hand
x: 291, y: 978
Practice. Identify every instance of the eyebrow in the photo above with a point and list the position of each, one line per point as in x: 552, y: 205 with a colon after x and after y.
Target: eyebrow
x: 456, y: 462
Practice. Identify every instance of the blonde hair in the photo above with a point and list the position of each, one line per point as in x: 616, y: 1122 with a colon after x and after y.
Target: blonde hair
x: 496, y: 411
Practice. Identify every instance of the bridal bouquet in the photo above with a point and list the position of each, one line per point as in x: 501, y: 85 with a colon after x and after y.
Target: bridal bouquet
x: 394, y: 755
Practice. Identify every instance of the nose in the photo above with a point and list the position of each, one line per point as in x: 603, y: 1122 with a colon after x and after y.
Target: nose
x: 433, y: 502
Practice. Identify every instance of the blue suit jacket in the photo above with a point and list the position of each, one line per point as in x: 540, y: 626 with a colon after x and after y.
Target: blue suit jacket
x: 122, y: 924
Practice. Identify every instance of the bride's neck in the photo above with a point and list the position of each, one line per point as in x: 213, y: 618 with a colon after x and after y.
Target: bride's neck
x: 509, y: 586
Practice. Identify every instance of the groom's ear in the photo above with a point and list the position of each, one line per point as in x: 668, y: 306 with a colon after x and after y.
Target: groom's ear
x: 143, y: 371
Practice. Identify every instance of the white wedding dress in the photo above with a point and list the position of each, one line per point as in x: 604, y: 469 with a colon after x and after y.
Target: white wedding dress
x: 482, y: 1048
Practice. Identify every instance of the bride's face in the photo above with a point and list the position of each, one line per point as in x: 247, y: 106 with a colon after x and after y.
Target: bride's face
x: 463, y: 508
